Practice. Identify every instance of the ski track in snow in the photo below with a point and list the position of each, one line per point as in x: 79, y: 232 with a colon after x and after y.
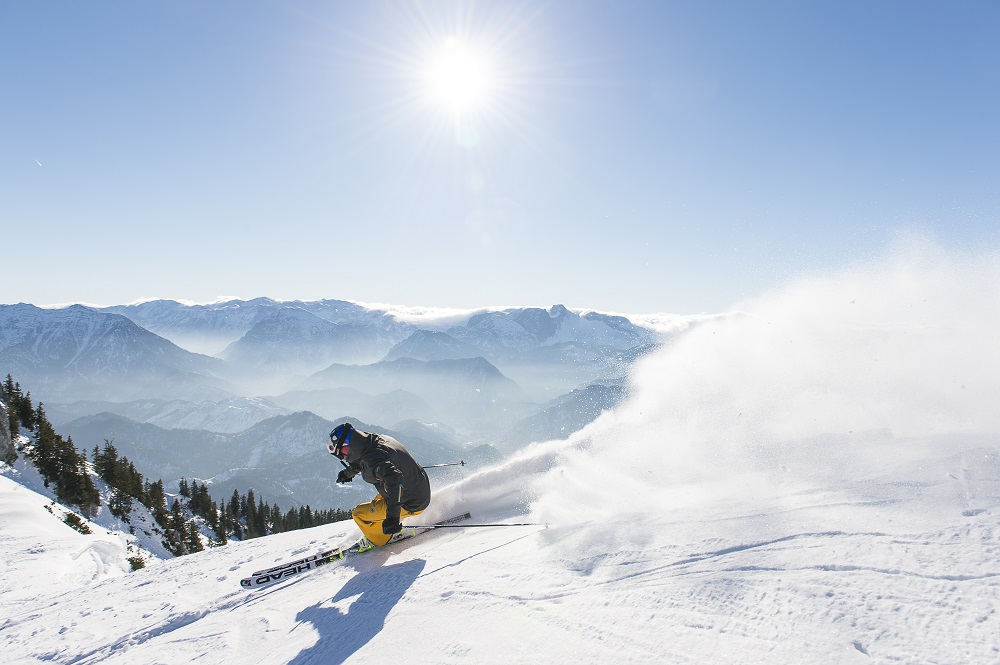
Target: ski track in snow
x: 522, y: 595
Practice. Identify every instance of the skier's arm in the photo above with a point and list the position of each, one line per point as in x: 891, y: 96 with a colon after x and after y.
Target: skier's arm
x: 347, y: 474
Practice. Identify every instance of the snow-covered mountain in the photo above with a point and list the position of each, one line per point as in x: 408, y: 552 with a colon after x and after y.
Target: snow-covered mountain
x: 77, y: 357
x: 201, y: 328
x: 294, y: 342
x: 167, y: 453
x: 213, y: 327
x: 507, y: 331
x: 432, y: 345
x: 223, y: 416
x: 270, y: 343
x: 333, y: 403
x: 78, y: 353
x: 497, y: 334
x: 469, y: 393
x: 564, y: 415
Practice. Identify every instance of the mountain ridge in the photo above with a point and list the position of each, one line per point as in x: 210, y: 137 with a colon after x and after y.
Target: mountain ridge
x: 71, y: 353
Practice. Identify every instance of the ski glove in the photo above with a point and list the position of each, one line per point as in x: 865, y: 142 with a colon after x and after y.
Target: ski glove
x: 345, y: 476
x: 391, y: 525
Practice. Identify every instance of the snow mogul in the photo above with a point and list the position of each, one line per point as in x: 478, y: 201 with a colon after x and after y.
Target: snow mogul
x: 403, y: 487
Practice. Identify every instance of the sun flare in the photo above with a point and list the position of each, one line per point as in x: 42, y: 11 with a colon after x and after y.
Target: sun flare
x: 458, y: 78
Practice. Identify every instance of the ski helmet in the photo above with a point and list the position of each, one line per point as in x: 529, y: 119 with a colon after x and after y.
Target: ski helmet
x: 340, y: 437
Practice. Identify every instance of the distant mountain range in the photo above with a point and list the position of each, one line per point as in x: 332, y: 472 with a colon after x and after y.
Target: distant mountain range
x: 263, y: 346
x: 78, y: 353
x: 470, y: 393
x: 299, y: 338
x: 211, y: 328
x: 226, y: 416
x: 177, y: 383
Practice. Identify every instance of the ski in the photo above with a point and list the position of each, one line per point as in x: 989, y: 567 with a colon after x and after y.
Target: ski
x: 289, y: 564
x: 292, y: 568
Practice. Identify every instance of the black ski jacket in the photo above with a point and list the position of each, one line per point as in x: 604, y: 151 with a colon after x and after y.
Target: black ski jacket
x: 386, y: 464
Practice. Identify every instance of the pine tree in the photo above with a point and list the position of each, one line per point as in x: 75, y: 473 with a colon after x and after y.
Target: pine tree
x: 225, y: 523
x: 193, y: 540
x: 211, y: 513
x: 292, y: 519
x: 120, y: 504
x: 73, y: 483
x: 106, y: 462
x: 24, y: 409
x: 201, y: 500
x: 251, y: 516
x: 234, y: 504
x: 194, y: 500
x: 277, y: 519
x: 235, y: 527
x: 9, y: 399
x: 158, y: 503
x: 130, y: 479
x: 177, y: 531
x: 92, y: 498
x: 261, y: 522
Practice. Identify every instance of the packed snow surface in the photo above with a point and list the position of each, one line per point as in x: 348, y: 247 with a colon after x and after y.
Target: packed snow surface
x: 815, y: 481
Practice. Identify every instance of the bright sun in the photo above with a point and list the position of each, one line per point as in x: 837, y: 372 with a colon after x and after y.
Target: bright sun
x: 458, y: 78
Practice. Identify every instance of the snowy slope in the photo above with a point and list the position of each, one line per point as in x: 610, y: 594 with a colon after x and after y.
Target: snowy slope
x: 804, y: 577
x: 23, y: 484
x: 815, y: 482
x: 40, y: 551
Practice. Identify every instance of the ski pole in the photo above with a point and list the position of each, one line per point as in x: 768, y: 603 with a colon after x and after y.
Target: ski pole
x: 469, y: 526
x: 431, y: 466
x: 434, y: 466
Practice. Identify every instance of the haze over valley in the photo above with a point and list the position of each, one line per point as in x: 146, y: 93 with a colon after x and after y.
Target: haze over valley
x: 241, y: 393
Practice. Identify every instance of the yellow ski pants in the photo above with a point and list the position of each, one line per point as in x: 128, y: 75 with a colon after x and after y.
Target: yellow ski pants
x: 369, y: 518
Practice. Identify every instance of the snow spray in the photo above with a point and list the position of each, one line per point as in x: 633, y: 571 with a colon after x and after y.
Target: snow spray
x: 821, y: 381
x: 826, y: 384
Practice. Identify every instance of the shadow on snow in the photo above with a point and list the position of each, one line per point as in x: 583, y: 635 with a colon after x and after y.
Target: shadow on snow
x: 342, y: 633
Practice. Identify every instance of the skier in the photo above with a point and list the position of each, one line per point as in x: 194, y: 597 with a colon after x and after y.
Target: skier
x: 403, y: 487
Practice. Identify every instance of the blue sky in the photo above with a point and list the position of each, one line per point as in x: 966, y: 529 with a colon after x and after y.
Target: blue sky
x: 625, y: 156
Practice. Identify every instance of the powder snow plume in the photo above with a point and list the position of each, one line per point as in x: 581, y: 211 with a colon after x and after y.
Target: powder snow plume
x: 827, y: 381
